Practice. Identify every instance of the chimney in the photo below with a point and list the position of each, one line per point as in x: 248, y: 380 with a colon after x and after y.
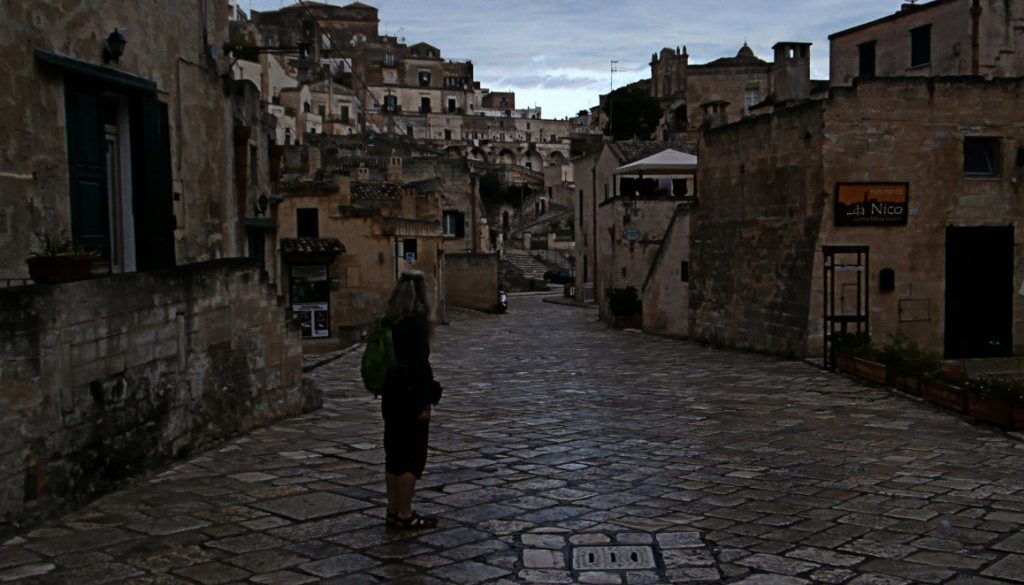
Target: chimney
x: 716, y: 113
x: 791, y: 72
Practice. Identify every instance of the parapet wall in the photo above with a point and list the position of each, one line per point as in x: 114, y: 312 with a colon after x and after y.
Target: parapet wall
x: 103, y: 378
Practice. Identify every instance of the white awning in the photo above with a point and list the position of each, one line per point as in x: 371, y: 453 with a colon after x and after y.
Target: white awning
x: 668, y: 160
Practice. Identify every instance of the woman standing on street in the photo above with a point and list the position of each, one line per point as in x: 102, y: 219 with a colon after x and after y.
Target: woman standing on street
x: 409, y: 391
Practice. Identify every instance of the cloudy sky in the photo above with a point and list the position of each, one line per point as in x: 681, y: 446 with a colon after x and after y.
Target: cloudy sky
x: 557, y: 54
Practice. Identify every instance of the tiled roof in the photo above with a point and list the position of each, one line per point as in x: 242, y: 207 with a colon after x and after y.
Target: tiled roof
x: 366, y: 191
x: 628, y: 151
x: 312, y: 246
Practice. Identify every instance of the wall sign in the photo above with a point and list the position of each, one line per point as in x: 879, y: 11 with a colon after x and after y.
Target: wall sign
x: 866, y: 204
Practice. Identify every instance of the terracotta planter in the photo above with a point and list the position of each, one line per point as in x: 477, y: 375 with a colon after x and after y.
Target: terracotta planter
x: 991, y: 410
x: 951, y: 397
x: 55, y: 269
x: 1018, y: 416
x: 905, y: 382
x: 869, y: 370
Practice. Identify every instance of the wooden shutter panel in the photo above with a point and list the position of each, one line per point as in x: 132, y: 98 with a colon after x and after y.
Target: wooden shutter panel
x: 152, y: 203
x: 460, y: 224
x: 87, y: 167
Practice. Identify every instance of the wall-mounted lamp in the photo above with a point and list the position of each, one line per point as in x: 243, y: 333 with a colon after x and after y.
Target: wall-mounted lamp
x: 115, y: 46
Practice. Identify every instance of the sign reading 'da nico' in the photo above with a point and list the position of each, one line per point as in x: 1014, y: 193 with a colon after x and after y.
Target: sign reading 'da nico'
x: 866, y: 204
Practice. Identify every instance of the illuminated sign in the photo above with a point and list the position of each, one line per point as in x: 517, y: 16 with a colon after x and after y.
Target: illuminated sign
x: 866, y: 204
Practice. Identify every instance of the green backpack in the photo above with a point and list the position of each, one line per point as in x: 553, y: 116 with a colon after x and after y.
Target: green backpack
x: 378, y: 357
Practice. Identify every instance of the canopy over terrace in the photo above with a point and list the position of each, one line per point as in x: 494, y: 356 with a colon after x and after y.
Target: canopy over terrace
x: 669, y: 173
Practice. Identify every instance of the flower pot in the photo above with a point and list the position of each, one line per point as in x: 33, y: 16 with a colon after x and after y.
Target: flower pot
x: 55, y: 269
x: 991, y: 410
x: 951, y: 397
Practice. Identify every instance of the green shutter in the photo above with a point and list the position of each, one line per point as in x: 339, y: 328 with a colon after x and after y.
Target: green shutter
x: 152, y: 203
x: 87, y: 167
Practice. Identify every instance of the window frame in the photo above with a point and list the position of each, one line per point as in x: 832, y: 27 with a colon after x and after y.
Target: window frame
x: 921, y: 48
x: 989, y: 148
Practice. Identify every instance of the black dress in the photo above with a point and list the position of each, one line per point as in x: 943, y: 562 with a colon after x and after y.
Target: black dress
x: 406, y: 394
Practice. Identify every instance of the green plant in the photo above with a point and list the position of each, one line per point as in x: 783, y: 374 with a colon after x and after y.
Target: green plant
x: 624, y: 302
x: 854, y: 345
x: 59, y: 244
x: 996, y: 388
x: 906, y: 357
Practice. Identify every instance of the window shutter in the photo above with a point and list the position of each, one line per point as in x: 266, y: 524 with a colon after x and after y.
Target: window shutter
x: 459, y: 219
x: 87, y: 167
x: 153, y: 201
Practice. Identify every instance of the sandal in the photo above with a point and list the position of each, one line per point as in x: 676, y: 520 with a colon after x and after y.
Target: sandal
x: 414, y: 522
x: 392, y: 521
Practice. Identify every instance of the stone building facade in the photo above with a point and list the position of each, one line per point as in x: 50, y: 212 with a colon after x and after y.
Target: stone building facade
x: 736, y: 84
x: 919, y: 175
x: 175, y: 341
x: 604, y: 256
x: 938, y: 38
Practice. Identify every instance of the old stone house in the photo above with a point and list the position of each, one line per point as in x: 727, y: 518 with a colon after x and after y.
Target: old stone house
x: 734, y: 85
x: 344, y: 243
x: 128, y: 143
x: 893, y: 206
x: 938, y: 38
x: 620, y: 219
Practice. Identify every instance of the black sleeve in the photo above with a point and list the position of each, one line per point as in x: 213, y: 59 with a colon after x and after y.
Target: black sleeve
x: 412, y: 350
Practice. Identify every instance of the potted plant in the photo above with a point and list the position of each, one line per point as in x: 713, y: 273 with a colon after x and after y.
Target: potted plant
x: 906, y: 363
x: 997, y: 401
x: 626, y: 307
x: 855, y: 354
x: 59, y: 260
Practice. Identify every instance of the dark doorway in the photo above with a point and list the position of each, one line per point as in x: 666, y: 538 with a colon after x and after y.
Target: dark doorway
x: 979, y: 291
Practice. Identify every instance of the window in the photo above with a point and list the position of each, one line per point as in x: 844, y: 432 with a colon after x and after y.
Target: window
x: 451, y: 105
x: 390, y: 103
x: 409, y: 249
x: 866, y: 55
x: 750, y: 99
x: 389, y: 59
x: 424, y: 78
x: 119, y: 170
x: 344, y: 113
x: 306, y: 107
x: 581, y: 207
x: 981, y: 156
x: 921, y: 45
x: 390, y: 76
x: 322, y: 110
x: 307, y: 222
x: 453, y: 224
x: 447, y: 134
x: 425, y: 105
x: 684, y: 271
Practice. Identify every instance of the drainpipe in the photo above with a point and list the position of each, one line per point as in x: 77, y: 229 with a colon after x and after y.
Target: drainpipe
x: 975, y: 36
x: 593, y: 229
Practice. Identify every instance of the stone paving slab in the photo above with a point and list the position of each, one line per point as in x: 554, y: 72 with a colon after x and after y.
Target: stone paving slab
x: 556, y: 434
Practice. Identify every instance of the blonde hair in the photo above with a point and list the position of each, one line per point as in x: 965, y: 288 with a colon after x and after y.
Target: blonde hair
x: 411, y: 296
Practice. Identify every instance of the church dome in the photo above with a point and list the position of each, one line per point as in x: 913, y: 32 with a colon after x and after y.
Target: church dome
x: 745, y: 52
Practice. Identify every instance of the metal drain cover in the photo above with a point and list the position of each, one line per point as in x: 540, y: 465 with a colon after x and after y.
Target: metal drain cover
x: 611, y: 558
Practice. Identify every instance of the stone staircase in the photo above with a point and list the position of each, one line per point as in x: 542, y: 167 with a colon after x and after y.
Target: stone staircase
x: 528, y: 265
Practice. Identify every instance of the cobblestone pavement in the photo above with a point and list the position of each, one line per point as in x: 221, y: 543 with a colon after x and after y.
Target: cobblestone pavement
x: 566, y: 452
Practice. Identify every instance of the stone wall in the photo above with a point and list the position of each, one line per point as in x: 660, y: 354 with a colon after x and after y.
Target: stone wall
x: 912, y: 130
x: 754, y: 241
x: 34, y: 157
x: 105, y: 377
x: 665, y: 295
x: 471, y: 281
